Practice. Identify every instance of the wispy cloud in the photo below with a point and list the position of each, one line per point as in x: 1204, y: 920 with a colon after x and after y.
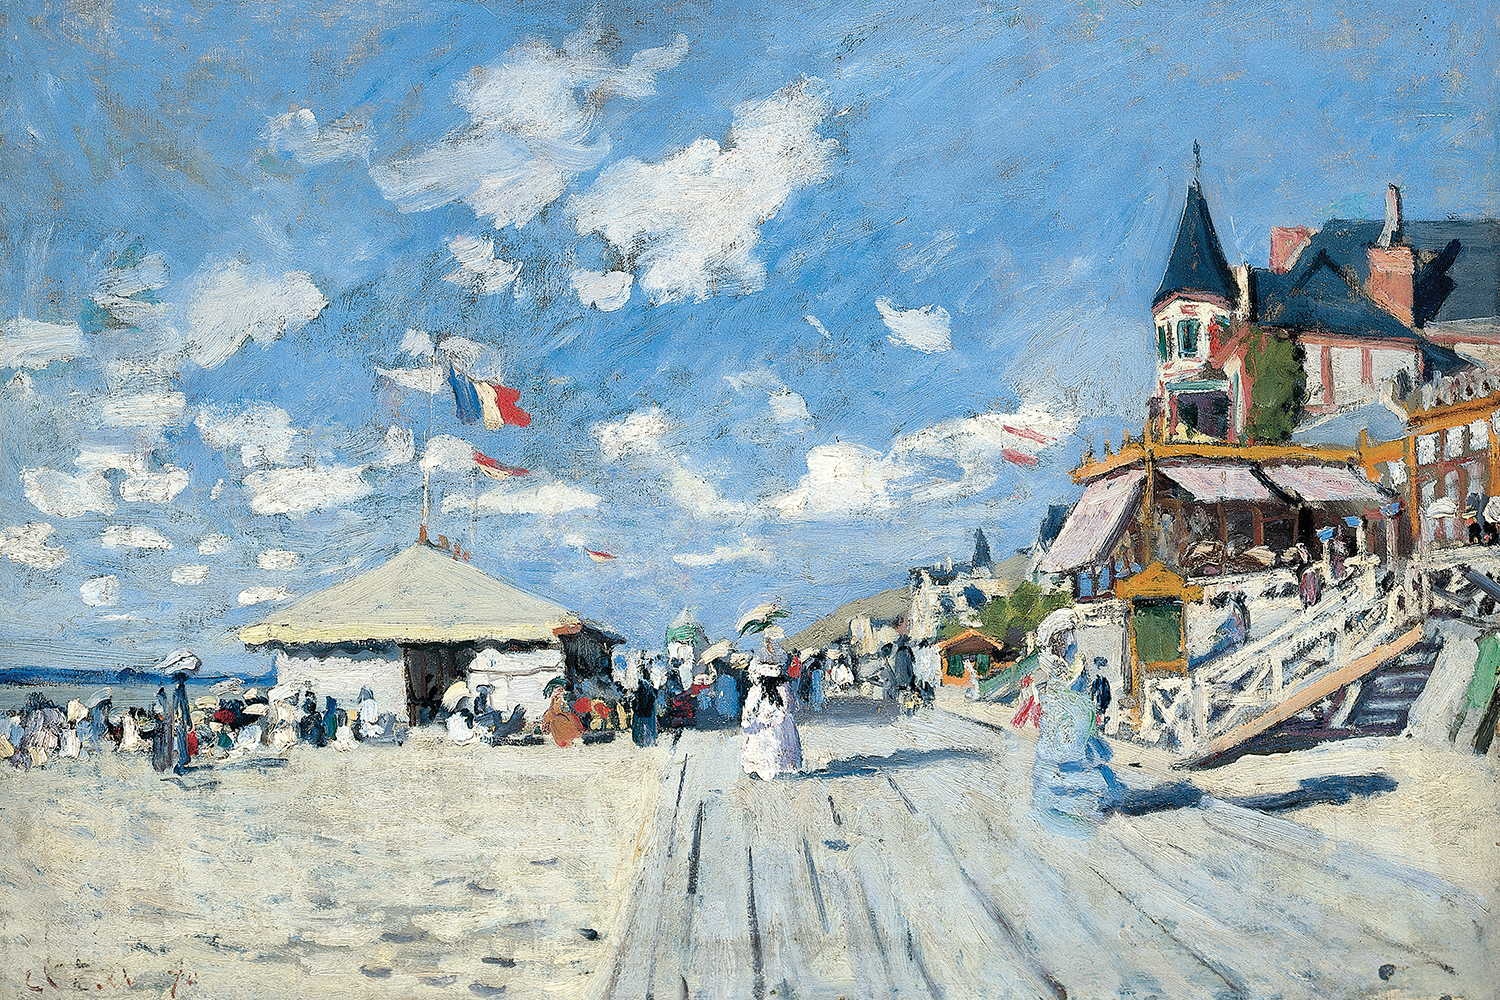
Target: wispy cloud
x: 926, y: 329
x: 28, y: 546
x: 606, y: 291
x: 61, y: 495
x: 750, y: 550
x: 547, y: 499
x: 29, y: 343
x: 118, y: 536
x: 233, y: 302
x: 100, y: 591
x: 479, y: 270
x: 528, y: 135
x: 262, y: 432
x: 259, y: 595
x: 302, y: 490
x: 692, y: 221
x: 298, y: 132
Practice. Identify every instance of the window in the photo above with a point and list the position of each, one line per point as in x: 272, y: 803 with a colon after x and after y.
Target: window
x: 1427, y: 449
x: 1397, y: 472
x: 955, y: 666
x: 1479, y: 435
x: 1187, y: 337
x: 1163, y: 331
x: 1454, y: 442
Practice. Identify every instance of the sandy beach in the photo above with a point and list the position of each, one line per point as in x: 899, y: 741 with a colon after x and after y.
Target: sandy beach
x: 384, y: 871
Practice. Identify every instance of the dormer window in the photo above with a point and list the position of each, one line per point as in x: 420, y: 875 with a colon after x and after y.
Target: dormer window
x: 1188, y: 333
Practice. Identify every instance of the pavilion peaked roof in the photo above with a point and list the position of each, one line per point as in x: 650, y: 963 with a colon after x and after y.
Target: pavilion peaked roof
x: 421, y: 595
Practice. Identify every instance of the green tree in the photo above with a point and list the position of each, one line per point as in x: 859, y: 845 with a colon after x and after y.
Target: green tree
x: 1278, y: 385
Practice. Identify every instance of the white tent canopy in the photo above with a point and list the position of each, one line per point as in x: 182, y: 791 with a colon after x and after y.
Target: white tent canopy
x: 423, y: 595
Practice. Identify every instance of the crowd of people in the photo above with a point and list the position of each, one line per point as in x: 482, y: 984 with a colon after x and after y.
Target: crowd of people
x: 759, y: 693
x: 176, y: 731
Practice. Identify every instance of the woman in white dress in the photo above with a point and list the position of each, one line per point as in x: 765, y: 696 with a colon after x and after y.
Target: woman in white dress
x: 770, y: 745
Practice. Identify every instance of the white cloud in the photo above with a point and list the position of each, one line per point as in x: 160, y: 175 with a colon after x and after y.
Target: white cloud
x: 145, y: 486
x: 146, y: 409
x: 528, y: 136
x: 29, y: 546
x: 30, y: 343
x: 444, y: 452
x: 850, y: 480
x: 398, y: 447
x: 126, y: 537
x: 261, y: 431
x: 983, y: 444
x: 842, y: 479
x: 61, y: 495
x: 118, y: 290
x: 189, y: 574
x: 298, y: 132
x: 301, y: 490
x: 816, y: 325
x: 695, y: 493
x: 431, y: 380
x: 750, y: 550
x: 693, y: 220
x: 417, y: 344
x: 479, y: 270
x: 234, y: 302
x: 925, y: 329
x: 789, y: 408
x: 100, y: 591
x: 281, y: 559
x: 546, y: 499
x: 640, y: 436
x: 212, y: 545
x: 258, y: 595
x: 640, y: 432
x: 605, y: 291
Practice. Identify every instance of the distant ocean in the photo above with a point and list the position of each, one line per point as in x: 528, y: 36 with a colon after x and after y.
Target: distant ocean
x: 129, y: 688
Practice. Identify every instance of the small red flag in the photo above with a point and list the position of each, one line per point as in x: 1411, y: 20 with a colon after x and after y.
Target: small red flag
x: 496, y: 470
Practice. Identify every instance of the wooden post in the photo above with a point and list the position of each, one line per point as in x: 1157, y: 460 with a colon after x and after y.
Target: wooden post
x: 1413, y: 511
x: 1223, y: 540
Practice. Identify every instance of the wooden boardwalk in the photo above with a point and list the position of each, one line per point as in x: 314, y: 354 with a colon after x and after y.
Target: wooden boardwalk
x: 912, y: 867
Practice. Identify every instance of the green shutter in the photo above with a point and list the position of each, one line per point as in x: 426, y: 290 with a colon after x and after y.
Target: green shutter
x: 1158, y: 632
x: 955, y: 666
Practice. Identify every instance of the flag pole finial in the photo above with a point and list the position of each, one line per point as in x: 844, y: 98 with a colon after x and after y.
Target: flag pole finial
x: 1197, y: 161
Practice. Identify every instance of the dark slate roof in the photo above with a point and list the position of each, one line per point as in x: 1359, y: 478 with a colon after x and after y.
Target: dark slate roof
x: 1197, y: 263
x: 1452, y: 282
x: 1318, y: 295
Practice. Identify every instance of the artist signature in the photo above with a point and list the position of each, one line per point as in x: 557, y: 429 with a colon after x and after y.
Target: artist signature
x: 180, y: 977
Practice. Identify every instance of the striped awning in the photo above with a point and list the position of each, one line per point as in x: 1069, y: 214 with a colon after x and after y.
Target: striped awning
x: 1095, y: 524
x: 1217, y: 482
x: 1324, y: 484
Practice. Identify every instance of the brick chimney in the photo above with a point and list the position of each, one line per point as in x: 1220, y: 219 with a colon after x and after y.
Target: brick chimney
x: 1287, y: 242
x: 1392, y: 264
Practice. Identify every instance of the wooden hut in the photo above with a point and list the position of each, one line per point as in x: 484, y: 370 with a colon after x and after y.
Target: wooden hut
x: 967, y: 656
x: 411, y: 627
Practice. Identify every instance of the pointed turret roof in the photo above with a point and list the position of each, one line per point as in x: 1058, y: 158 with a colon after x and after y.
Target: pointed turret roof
x: 1197, y: 263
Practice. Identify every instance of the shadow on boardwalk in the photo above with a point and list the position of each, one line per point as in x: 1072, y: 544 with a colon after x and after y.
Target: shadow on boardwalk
x: 914, y: 868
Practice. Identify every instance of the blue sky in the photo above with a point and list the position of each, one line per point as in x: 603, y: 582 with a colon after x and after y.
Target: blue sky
x: 798, y: 295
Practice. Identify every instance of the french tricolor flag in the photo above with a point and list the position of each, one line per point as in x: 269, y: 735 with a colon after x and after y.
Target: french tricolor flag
x: 490, y: 401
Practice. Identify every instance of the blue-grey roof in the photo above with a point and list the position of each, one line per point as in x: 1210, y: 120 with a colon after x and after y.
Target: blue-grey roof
x: 1318, y: 295
x: 1197, y: 263
x: 1458, y: 262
